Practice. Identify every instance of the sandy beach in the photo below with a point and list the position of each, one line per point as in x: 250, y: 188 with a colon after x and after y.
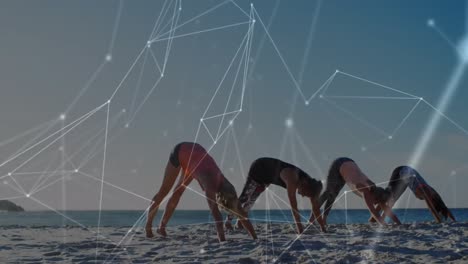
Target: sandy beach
x: 409, y: 243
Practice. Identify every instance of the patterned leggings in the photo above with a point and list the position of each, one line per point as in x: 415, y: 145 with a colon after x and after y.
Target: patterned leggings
x: 250, y: 194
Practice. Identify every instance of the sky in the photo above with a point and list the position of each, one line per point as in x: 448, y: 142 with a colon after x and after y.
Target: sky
x: 370, y: 72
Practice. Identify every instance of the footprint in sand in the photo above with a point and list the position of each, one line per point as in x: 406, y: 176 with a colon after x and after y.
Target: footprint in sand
x: 52, y: 254
x: 248, y: 261
x: 54, y: 259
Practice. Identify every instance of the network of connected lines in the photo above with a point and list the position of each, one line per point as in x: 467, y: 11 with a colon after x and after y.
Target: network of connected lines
x: 215, y: 123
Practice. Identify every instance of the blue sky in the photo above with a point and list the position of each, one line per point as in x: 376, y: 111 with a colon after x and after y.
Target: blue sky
x: 51, y: 50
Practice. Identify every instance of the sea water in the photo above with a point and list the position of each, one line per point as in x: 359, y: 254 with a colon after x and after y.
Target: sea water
x: 122, y: 218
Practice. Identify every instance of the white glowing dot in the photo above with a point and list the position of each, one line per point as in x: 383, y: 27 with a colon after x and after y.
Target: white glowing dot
x: 306, y: 102
x: 251, y: 4
x: 202, y: 251
x: 390, y: 137
x: 108, y: 57
x: 431, y: 22
x: 420, y: 98
x: 148, y: 44
x: 62, y: 117
x: 363, y: 148
x: 215, y: 142
x: 9, y: 174
x: 289, y: 122
x: 162, y: 74
x: 231, y: 122
x: 321, y: 96
x: 124, y: 110
x: 337, y: 71
x: 76, y: 170
x: 108, y: 101
x: 253, y: 21
x: 61, y: 148
x: 453, y: 173
x: 27, y: 195
x: 127, y: 125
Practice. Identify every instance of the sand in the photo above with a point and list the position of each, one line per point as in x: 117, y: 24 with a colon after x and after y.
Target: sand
x: 409, y: 243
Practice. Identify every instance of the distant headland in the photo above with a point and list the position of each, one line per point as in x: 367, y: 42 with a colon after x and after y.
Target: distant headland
x: 8, y: 206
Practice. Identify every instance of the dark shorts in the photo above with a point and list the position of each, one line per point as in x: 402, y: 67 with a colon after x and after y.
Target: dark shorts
x: 335, y: 181
x: 399, y: 181
x: 174, y: 157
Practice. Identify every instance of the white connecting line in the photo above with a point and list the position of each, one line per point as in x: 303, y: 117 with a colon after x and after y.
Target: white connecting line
x: 169, y: 35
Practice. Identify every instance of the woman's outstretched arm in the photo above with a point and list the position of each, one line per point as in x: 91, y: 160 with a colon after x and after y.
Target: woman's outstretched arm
x: 316, y: 215
x: 388, y: 211
x: 368, y: 198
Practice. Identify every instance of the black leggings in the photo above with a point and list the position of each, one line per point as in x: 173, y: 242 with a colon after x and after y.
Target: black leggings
x: 335, y: 183
x: 399, y: 181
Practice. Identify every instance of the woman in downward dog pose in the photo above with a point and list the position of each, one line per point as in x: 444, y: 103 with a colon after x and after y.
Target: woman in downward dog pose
x: 196, y: 163
x: 345, y: 171
x: 405, y: 176
x: 266, y: 171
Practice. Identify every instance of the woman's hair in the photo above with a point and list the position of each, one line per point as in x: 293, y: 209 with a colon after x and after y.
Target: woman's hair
x: 314, y: 185
x: 439, y: 204
x: 227, y: 199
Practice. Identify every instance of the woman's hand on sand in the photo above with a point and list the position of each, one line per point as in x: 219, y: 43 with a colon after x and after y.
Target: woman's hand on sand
x: 162, y: 231
x: 311, y: 221
x: 228, y: 225
x: 323, y: 228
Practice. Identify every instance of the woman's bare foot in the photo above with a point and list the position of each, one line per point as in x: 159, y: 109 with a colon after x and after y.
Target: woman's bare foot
x: 149, y: 232
x: 162, y: 231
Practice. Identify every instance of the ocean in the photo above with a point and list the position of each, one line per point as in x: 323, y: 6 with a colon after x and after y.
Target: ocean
x: 122, y: 218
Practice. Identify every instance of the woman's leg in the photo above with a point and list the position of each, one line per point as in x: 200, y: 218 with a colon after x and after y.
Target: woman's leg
x: 211, y: 199
x: 173, y: 201
x: 250, y: 194
x: 170, y: 175
x: 334, y: 185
